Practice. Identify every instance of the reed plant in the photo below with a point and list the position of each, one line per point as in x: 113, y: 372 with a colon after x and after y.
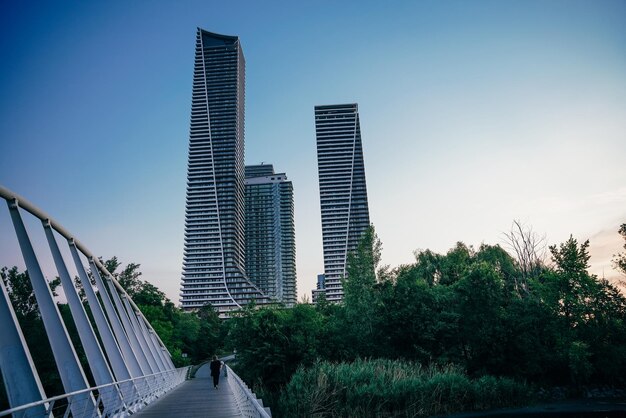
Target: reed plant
x: 392, y: 388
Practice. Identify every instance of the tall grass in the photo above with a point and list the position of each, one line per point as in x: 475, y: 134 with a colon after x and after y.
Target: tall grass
x: 388, y: 388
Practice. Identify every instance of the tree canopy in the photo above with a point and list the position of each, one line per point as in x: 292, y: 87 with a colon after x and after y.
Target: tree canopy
x: 549, y: 322
x: 484, y: 312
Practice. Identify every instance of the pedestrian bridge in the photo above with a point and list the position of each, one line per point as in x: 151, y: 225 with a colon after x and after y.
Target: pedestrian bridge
x: 131, y: 367
x: 197, y: 398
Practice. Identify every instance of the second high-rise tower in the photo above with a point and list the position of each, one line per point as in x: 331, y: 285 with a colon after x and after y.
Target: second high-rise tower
x: 343, y: 193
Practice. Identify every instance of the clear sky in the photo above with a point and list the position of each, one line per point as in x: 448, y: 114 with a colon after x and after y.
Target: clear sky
x: 473, y: 113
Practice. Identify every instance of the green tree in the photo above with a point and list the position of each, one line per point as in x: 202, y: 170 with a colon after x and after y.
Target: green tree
x: 456, y: 263
x: 503, y: 264
x: 209, y: 339
x: 427, y: 266
x: 141, y: 291
x: 480, y: 302
x: 619, y: 260
x: 361, y: 293
x: 570, y: 288
x: 21, y: 291
x: 592, y: 313
x: 27, y: 312
x: 272, y: 342
x: 414, y: 325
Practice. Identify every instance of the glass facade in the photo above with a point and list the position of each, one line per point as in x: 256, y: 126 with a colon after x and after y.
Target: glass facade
x: 270, y: 233
x: 343, y: 192
x: 214, y: 255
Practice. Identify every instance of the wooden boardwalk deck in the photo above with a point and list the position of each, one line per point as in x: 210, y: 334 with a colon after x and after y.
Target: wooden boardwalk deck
x: 195, y: 398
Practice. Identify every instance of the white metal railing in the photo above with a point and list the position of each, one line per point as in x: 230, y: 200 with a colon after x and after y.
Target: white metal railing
x: 249, y: 405
x: 34, y: 210
x: 138, y: 393
x: 129, y: 363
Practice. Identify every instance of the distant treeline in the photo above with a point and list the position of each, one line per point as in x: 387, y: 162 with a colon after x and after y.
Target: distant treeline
x: 501, y: 323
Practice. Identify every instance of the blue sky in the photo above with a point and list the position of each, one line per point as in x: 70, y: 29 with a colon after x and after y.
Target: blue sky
x: 473, y: 114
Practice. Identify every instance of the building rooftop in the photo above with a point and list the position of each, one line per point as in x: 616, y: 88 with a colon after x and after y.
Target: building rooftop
x: 259, y: 170
x: 215, y: 39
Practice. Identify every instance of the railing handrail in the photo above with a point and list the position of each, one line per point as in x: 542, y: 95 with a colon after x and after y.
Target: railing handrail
x: 78, y: 392
x: 255, y: 402
x: 43, y: 216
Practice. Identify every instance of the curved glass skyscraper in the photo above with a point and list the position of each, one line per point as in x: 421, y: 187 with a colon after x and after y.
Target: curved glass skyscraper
x: 214, y: 258
x: 343, y: 193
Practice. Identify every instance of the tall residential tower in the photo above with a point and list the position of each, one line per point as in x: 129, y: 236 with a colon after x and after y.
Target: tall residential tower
x: 343, y: 193
x: 270, y: 233
x: 214, y: 258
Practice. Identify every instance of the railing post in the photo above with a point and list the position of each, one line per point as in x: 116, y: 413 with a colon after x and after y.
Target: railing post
x: 127, y: 352
x: 68, y: 366
x: 95, y: 357
x: 152, y: 341
x: 120, y: 370
x: 154, y: 346
x: 21, y: 380
x: 118, y: 331
x: 130, y: 332
x: 121, y: 345
x: 167, y: 356
x: 145, y: 345
x: 245, y: 398
x: 161, y: 350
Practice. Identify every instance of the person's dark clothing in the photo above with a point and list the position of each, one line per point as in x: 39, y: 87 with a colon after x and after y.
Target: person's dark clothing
x: 216, y: 366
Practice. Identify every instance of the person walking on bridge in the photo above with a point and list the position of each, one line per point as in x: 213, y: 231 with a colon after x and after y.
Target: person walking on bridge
x: 216, y: 366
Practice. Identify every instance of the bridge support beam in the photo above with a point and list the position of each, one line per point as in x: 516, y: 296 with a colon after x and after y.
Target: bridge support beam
x: 122, y: 339
x: 68, y: 366
x: 120, y: 370
x: 129, y: 362
x: 95, y: 357
x: 141, y: 336
x: 162, y: 350
x: 21, y: 380
x: 130, y: 332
